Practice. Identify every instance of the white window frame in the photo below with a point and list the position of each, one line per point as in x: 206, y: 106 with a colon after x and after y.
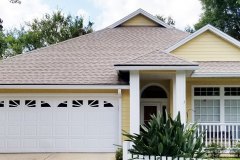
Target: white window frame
x: 221, y: 97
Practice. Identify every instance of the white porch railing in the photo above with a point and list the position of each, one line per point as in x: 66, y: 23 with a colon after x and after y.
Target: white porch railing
x: 225, y: 134
x: 128, y: 156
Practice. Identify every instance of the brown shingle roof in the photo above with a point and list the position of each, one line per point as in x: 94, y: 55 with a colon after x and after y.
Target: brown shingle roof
x: 87, y: 59
x: 157, y: 58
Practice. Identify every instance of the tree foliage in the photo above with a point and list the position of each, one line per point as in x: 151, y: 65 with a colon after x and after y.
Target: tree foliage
x: 223, y: 14
x: 163, y: 136
x: 15, y: 1
x: 54, y: 28
x: 50, y: 29
x: 167, y: 20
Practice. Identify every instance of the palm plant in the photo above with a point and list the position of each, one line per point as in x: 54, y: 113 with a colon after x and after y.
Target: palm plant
x: 163, y: 136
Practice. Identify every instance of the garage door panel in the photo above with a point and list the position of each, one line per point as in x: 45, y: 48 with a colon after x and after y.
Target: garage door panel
x: 77, y: 116
x: 61, y: 117
x: 61, y: 131
x: 30, y: 118
x: 58, y: 124
x: 77, y: 130
x: 14, y: 130
x: 29, y: 131
x: 45, y: 130
x: 13, y: 143
x: 14, y: 117
x: 3, y: 118
x: 29, y: 143
x: 45, y: 117
x: 2, y: 131
x: 62, y: 143
x: 77, y: 143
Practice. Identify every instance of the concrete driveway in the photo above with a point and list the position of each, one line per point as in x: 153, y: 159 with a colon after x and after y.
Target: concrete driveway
x: 58, y: 156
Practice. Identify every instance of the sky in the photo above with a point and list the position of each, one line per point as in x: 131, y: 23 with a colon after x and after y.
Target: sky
x: 102, y: 12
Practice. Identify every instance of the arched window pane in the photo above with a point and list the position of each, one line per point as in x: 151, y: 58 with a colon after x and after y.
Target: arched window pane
x: 154, y: 92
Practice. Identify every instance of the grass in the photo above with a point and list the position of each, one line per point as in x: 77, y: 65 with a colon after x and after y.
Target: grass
x: 229, y: 158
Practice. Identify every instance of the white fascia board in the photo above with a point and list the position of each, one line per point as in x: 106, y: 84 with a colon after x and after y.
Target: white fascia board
x: 64, y: 86
x: 208, y: 75
x: 129, y: 68
x: 200, y: 31
x: 139, y: 11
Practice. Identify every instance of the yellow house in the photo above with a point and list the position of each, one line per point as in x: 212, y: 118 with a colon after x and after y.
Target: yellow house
x: 78, y: 95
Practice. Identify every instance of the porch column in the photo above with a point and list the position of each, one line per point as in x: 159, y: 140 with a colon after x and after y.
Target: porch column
x: 134, y: 102
x: 179, y: 95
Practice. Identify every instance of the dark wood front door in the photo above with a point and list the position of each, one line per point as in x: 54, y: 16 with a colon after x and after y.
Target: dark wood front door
x: 148, y: 111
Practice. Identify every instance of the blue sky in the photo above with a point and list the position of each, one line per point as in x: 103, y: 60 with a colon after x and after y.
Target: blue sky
x: 102, y: 12
x: 74, y: 6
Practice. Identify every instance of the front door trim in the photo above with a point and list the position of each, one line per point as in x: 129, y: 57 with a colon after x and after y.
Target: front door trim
x: 159, y: 102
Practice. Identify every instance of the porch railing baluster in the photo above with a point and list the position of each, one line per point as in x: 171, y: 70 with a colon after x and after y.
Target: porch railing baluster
x: 225, y: 134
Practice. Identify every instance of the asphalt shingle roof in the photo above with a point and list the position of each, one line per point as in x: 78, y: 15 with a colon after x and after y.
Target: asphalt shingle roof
x: 218, y: 67
x: 158, y: 58
x: 87, y: 59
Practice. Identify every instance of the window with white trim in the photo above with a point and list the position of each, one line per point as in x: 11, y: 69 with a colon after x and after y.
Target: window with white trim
x: 216, y: 104
x: 207, y: 110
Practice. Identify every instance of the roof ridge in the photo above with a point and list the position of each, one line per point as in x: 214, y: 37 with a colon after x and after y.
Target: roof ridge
x: 143, y: 12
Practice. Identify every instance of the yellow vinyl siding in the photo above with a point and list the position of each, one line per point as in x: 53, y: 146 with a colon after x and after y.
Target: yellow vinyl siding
x: 204, y: 81
x: 208, y: 47
x: 139, y: 20
x: 125, y: 111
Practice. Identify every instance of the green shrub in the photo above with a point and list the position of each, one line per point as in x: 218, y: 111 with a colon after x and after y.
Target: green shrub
x: 119, y: 154
x: 236, y: 150
x: 214, y: 150
x: 163, y: 136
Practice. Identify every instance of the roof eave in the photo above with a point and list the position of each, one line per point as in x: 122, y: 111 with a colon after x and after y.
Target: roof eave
x: 155, y: 67
x: 212, y: 75
x: 143, y: 12
x: 72, y: 87
x: 200, y: 31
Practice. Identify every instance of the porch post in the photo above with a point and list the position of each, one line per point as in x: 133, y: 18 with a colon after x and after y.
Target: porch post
x: 134, y: 102
x: 179, y: 95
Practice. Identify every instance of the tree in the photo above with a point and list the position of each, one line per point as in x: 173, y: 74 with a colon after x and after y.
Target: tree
x: 1, y: 26
x: 189, y: 29
x: 54, y: 28
x: 3, y: 44
x: 167, y: 20
x: 50, y: 29
x: 15, y: 1
x: 223, y: 14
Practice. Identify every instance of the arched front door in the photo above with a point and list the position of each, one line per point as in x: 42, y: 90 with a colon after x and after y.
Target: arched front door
x: 154, y: 99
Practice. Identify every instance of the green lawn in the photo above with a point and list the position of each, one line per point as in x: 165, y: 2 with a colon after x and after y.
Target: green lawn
x: 229, y: 158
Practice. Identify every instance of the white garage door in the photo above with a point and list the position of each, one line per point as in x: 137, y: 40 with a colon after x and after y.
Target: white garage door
x: 59, y: 123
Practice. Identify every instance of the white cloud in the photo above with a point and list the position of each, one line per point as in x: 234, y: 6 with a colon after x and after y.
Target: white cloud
x: 15, y: 14
x: 83, y: 13
x: 184, y: 12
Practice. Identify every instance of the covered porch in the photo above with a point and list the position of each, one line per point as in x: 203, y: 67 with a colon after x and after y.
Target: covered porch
x: 212, y: 103
x: 156, y: 91
x: 215, y: 106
